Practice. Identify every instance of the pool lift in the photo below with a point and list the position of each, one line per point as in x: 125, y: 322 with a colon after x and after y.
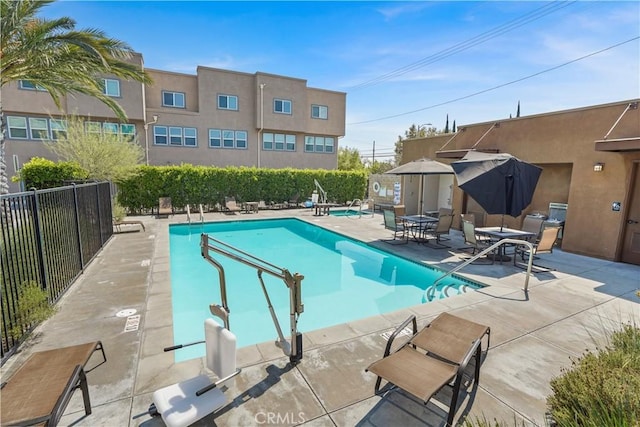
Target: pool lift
x: 292, y: 281
x: 321, y: 192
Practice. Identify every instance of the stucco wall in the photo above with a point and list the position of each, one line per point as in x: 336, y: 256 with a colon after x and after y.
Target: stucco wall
x: 563, y: 144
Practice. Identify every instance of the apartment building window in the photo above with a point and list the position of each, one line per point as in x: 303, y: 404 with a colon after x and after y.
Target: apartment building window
x: 319, y: 144
x: 228, y: 102
x: 17, y: 127
x: 112, y: 87
x: 282, y: 106
x: 227, y: 138
x: 39, y: 128
x: 319, y: 112
x: 92, y: 127
x: 173, y: 99
x: 128, y: 131
x: 190, y: 137
x: 215, y: 138
x: 160, y: 135
x: 58, y: 129
x: 110, y: 128
x: 278, y: 142
x: 27, y: 85
x: 241, y: 139
x: 175, y: 135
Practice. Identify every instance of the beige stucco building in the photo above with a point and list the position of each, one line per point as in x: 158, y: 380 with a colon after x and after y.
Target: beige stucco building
x: 590, y: 159
x: 215, y: 117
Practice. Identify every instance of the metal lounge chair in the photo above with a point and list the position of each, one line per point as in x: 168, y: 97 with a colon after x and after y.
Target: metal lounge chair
x: 432, y: 358
x: 230, y: 205
x: 118, y: 225
x: 39, y: 392
x: 165, y: 208
x: 400, y: 229
x: 186, y: 402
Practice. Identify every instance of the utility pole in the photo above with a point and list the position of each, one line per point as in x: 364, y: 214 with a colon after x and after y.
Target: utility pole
x: 373, y: 158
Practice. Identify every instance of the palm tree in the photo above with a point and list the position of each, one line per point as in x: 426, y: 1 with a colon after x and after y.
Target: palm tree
x: 52, y: 54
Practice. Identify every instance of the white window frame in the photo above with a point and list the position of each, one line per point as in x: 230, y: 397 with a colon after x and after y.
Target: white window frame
x: 160, y: 132
x: 16, y: 126
x: 319, y: 112
x: 27, y: 85
x: 174, y: 99
x: 111, y: 88
x: 58, y: 128
x: 286, y: 106
x: 175, y: 135
x: 110, y: 128
x: 39, y: 129
x: 229, y: 100
x: 242, y: 137
x: 215, y: 138
x: 128, y: 131
x: 190, y: 137
x: 319, y: 144
x: 278, y: 142
x: 267, y: 141
x: 92, y: 127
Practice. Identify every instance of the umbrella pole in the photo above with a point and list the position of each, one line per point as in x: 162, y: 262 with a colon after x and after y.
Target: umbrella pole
x: 502, y: 223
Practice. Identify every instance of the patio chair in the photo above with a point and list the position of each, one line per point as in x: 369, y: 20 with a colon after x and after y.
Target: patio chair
x: 471, y: 238
x: 442, y: 227
x: 164, y: 207
x: 478, y: 217
x: 544, y: 246
x: 398, y: 211
x: 39, y: 392
x: 532, y: 224
x: 432, y: 358
x: 293, y: 201
x: 186, y: 402
x: 230, y: 205
x: 400, y: 229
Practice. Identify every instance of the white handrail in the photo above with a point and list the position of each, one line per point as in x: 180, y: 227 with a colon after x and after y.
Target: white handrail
x: 201, y: 213
x: 188, y: 214
x: 485, y: 251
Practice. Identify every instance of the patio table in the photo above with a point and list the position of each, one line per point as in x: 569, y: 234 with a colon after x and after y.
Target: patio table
x: 419, y: 222
x: 499, y: 233
x: 251, y: 207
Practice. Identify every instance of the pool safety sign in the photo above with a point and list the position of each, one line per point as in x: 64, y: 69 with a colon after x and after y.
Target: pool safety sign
x: 396, y: 193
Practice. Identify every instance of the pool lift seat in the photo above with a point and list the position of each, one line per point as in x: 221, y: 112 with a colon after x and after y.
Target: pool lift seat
x: 293, y: 349
x: 188, y: 401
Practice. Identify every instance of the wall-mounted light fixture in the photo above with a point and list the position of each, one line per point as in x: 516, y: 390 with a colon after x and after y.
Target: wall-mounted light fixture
x: 598, y: 167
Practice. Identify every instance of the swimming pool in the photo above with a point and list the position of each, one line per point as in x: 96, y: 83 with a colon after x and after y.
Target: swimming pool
x: 345, y: 279
x: 349, y: 212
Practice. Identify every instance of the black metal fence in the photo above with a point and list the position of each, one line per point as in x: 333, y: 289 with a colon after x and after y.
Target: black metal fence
x: 47, y: 237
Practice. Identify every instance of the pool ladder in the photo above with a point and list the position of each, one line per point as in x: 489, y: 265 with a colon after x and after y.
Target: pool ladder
x: 201, y: 214
x: 292, y: 281
x: 430, y: 292
x: 359, y: 204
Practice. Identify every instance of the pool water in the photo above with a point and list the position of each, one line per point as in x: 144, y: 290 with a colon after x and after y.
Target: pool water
x: 348, y: 212
x: 344, y: 279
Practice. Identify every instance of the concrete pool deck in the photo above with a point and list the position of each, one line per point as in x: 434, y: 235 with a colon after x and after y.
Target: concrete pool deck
x: 567, y: 311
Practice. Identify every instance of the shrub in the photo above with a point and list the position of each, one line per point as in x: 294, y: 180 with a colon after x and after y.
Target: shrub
x: 601, y: 388
x: 42, y: 173
x: 31, y: 307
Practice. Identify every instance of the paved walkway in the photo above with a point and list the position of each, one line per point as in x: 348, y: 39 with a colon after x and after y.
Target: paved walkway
x: 567, y: 311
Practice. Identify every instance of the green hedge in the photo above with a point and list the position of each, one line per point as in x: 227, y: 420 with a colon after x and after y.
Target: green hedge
x: 41, y: 173
x: 193, y: 185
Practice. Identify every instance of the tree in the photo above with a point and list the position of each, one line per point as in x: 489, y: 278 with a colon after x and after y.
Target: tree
x: 518, y: 112
x: 349, y: 159
x: 104, y: 156
x: 52, y: 54
x: 381, y: 167
x: 446, y: 126
x: 413, y: 132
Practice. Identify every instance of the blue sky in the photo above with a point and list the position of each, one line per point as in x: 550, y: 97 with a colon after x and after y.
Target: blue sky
x: 400, y: 63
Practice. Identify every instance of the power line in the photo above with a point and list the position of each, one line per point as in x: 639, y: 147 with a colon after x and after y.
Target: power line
x: 464, y: 45
x: 498, y: 86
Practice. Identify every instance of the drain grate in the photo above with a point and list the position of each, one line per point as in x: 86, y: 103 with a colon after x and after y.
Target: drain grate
x: 405, y: 332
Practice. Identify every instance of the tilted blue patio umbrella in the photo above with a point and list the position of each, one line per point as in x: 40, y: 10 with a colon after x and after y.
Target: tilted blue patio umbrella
x: 499, y: 182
